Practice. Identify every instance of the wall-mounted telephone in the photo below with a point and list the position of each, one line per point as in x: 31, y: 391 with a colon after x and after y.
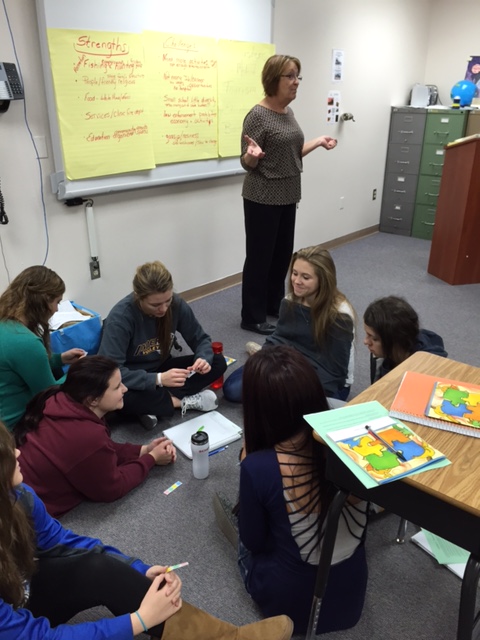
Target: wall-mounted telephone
x: 10, y: 85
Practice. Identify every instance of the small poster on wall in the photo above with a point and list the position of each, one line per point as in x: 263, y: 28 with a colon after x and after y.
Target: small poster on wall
x: 473, y: 72
x: 333, y: 107
x: 337, y: 65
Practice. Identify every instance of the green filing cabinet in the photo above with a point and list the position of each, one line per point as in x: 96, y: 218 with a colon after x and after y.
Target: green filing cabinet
x: 442, y: 126
x: 407, y: 127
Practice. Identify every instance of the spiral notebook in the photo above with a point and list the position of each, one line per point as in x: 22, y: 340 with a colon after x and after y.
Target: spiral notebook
x: 221, y: 431
x: 413, y: 402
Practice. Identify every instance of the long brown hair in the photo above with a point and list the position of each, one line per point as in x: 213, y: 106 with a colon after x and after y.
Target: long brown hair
x: 324, y: 309
x: 28, y: 297
x: 87, y: 378
x: 16, y: 533
x: 154, y: 277
x: 280, y: 387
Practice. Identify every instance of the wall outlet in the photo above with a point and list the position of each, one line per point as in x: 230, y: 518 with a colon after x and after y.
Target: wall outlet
x: 374, y: 194
x: 94, y: 269
x: 342, y: 202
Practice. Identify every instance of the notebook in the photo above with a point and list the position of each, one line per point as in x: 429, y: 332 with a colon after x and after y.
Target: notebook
x: 332, y: 426
x: 385, y: 449
x: 412, y: 402
x: 458, y: 568
x: 221, y: 431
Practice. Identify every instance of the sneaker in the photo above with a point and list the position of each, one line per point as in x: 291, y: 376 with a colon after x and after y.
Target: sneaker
x: 148, y: 421
x: 226, y: 521
x: 252, y: 347
x: 203, y: 401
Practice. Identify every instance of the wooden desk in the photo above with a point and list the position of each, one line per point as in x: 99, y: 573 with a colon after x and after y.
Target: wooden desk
x: 444, y: 501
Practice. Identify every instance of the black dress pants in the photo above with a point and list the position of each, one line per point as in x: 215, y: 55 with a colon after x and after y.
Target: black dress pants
x: 269, y: 231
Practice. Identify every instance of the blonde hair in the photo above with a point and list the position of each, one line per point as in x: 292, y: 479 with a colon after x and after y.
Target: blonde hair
x: 324, y: 308
x: 150, y: 278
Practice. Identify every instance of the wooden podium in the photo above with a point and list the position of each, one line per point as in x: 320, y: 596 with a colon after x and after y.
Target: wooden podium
x: 455, y: 255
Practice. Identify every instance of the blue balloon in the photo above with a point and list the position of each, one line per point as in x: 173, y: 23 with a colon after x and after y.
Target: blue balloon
x: 464, y: 90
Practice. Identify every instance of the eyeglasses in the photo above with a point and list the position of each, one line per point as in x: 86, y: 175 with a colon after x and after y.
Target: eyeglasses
x: 291, y: 76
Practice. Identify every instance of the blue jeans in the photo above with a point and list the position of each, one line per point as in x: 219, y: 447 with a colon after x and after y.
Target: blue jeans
x: 233, y: 387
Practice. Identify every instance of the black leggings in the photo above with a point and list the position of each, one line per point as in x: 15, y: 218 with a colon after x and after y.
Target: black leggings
x: 65, y: 586
x: 158, y: 401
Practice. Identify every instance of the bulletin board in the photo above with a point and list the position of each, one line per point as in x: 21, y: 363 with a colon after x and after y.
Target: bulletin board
x: 149, y: 93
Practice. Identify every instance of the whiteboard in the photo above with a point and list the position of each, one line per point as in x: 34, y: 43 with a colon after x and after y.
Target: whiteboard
x: 246, y: 20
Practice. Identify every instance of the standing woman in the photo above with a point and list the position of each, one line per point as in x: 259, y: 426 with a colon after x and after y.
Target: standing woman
x: 138, y: 335
x: 272, y: 150
x: 284, y: 498
x: 317, y: 320
x: 67, y: 453
x: 26, y: 362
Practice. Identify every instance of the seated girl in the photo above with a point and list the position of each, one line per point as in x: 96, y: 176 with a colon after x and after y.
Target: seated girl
x: 392, y: 334
x: 317, y: 320
x: 67, y: 453
x: 49, y: 574
x: 139, y: 334
x: 26, y: 363
x: 284, y: 497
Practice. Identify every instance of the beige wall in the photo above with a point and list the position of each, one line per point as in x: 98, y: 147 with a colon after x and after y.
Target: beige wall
x: 197, y: 228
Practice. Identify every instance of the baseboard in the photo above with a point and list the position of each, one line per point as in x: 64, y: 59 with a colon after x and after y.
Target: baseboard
x: 230, y: 281
x: 211, y: 287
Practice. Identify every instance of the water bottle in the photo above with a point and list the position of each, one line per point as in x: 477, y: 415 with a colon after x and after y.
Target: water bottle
x: 217, y: 347
x: 200, y: 449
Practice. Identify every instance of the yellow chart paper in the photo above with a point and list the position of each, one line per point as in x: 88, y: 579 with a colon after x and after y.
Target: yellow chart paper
x: 240, y: 67
x: 182, y: 72
x: 100, y: 92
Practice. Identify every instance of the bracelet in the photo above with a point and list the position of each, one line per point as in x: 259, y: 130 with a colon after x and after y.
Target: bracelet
x: 159, y: 380
x: 145, y: 628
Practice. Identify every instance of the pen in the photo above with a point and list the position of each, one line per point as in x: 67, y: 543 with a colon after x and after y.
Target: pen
x: 212, y: 453
x: 176, y: 566
x: 397, y: 452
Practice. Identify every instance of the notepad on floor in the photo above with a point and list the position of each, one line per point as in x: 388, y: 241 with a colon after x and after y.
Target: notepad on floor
x: 453, y: 557
x: 221, y: 431
x: 414, y: 399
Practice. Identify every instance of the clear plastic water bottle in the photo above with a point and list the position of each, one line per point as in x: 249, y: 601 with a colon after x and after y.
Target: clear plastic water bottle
x: 200, y: 448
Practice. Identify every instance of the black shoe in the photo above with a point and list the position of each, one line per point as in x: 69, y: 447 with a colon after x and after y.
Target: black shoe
x: 148, y: 421
x: 263, y: 328
x: 226, y: 521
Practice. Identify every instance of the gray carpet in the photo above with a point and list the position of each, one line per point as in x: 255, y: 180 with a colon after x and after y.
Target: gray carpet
x: 409, y: 595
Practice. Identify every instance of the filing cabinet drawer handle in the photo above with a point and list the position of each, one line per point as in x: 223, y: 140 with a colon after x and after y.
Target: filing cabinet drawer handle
x: 428, y: 224
x: 404, y: 132
x: 403, y: 161
x: 441, y: 133
x: 399, y: 191
x: 435, y: 164
x: 432, y: 195
x: 396, y: 219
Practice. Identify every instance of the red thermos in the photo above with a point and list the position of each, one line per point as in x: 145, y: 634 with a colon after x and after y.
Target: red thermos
x: 217, y: 348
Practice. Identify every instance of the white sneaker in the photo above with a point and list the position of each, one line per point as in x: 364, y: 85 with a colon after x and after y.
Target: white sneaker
x: 252, y: 347
x: 203, y: 401
x: 148, y: 421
